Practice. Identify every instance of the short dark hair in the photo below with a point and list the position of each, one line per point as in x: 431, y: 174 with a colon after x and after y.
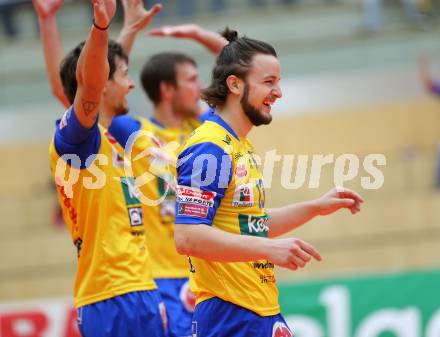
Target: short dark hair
x: 161, y: 67
x: 234, y: 59
x: 68, y: 66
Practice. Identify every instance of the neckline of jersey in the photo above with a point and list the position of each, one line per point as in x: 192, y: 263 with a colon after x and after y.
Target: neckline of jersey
x: 220, y: 121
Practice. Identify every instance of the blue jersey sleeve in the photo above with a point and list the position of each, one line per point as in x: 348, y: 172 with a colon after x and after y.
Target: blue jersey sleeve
x: 71, y: 138
x: 122, y: 127
x: 204, y: 172
x: 206, y: 116
x: 436, y: 88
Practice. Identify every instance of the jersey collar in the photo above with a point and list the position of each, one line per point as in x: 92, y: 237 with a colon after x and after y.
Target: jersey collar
x: 217, y: 119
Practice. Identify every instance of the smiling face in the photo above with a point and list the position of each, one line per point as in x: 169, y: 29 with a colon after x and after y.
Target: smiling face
x: 261, y: 89
x: 118, y: 87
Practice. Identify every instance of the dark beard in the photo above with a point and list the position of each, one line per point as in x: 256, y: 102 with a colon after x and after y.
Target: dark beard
x: 121, y: 110
x: 256, y: 117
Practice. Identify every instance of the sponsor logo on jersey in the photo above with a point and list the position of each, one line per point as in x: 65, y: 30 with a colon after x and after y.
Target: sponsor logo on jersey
x: 131, y: 191
x: 243, y: 196
x: 195, y: 196
x: 199, y: 211
x: 135, y: 215
x: 131, y: 195
x: 281, y: 330
x: 241, y: 171
x: 227, y: 140
x: 263, y: 265
x: 253, y: 225
x: 267, y: 279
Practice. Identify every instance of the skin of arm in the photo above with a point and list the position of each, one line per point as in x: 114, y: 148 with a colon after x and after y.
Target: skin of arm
x: 212, y: 41
x: 93, y: 69
x: 52, y: 46
x: 285, y: 219
x: 212, y: 244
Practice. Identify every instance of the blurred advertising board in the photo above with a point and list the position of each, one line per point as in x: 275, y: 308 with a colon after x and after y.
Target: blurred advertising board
x: 393, y: 305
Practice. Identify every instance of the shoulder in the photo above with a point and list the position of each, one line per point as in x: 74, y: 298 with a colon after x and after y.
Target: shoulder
x: 122, y: 127
x: 210, y: 132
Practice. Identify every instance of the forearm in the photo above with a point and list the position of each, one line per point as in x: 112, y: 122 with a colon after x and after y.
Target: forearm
x: 92, y: 74
x: 53, y: 55
x: 212, y: 244
x: 93, y: 67
x: 126, y: 38
x: 213, y: 41
x: 285, y: 219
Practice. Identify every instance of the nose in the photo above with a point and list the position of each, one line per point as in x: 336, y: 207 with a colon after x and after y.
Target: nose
x: 131, y: 84
x: 277, y: 92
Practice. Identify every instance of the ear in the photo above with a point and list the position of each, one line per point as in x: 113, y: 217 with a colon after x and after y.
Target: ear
x: 235, y: 84
x: 104, y: 91
x: 166, y: 90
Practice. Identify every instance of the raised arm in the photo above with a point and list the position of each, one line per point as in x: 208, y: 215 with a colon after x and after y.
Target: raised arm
x: 136, y: 18
x: 93, y: 69
x: 52, y: 46
x: 285, y: 219
x: 213, y: 41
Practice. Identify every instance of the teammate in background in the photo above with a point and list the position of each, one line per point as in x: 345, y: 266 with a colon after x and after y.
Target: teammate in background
x: 171, y: 82
x: 433, y: 86
x: 430, y: 83
x: 221, y: 219
x: 114, y: 288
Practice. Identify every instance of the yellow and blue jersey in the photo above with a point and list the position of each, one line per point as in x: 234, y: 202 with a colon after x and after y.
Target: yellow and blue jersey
x: 153, y: 153
x: 220, y: 184
x: 102, y: 212
x: 435, y: 87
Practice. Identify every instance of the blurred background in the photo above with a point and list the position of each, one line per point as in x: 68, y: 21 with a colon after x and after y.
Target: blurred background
x: 351, y: 84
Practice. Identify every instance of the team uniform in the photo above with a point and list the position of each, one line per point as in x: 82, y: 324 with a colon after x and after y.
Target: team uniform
x: 435, y: 88
x: 220, y: 184
x: 114, y: 288
x: 153, y: 153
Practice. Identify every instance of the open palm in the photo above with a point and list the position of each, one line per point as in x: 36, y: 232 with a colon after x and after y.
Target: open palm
x: 136, y: 16
x: 338, y: 198
x: 104, y: 10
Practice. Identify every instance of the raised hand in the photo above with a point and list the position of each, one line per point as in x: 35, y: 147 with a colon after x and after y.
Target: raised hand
x: 45, y: 8
x: 104, y: 11
x: 338, y: 198
x: 136, y: 17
